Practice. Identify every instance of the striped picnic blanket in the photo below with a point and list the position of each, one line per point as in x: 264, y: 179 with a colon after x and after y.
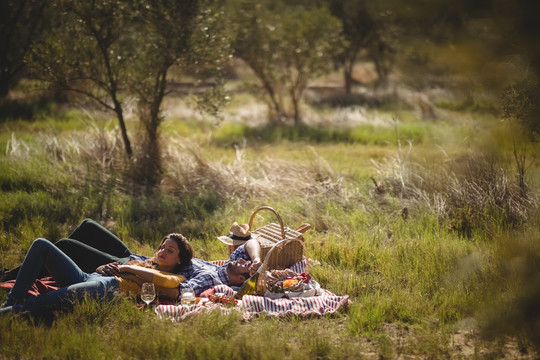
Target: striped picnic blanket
x: 323, y: 304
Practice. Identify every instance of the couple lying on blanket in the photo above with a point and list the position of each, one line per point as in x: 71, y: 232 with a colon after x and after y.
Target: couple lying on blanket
x: 94, y: 262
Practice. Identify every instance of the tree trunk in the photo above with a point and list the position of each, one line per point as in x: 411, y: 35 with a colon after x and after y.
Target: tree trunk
x: 382, y: 72
x: 296, y: 108
x: 4, y: 87
x: 152, y: 155
x: 123, y: 130
x: 275, y: 113
x: 148, y: 167
x: 348, y: 68
x: 348, y: 80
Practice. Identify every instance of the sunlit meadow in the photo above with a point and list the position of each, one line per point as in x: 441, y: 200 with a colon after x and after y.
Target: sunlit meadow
x: 400, y: 223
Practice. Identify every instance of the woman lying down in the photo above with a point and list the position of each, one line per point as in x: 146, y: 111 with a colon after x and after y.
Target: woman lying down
x: 173, y: 252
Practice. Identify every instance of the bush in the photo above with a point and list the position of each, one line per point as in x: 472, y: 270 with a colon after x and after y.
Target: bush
x: 471, y: 193
x: 512, y: 308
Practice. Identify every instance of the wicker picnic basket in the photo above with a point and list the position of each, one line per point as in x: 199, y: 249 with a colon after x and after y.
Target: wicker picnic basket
x: 269, y: 235
x: 279, y: 257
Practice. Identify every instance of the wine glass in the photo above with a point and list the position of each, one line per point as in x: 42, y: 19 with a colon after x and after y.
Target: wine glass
x: 148, y: 293
x: 187, y: 297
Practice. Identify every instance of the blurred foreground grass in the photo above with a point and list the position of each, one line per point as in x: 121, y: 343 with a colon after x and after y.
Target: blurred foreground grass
x: 399, y: 224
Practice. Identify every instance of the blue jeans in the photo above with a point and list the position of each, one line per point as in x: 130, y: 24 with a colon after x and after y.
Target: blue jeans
x: 75, y: 283
x: 89, y: 246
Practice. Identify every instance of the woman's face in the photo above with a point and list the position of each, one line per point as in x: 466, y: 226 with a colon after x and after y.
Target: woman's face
x: 167, y: 255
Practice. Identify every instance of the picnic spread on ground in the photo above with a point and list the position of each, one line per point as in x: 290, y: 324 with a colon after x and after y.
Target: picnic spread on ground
x: 280, y: 284
x: 312, y: 301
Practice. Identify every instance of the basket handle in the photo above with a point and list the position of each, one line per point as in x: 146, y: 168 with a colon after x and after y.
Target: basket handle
x: 303, y: 228
x: 275, y: 213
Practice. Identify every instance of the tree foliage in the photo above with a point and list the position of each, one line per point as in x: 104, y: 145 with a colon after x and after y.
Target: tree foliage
x: 520, y: 101
x: 286, y: 45
x: 88, y: 50
x: 365, y: 31
x: 112, y: 51
x: 20, y: 21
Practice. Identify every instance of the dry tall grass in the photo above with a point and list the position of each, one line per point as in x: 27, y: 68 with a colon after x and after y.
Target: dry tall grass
x: 190, y: 171
x: 412, y: 279
x: 472, y: 192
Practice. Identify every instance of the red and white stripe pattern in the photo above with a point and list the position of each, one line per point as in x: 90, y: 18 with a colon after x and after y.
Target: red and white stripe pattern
x: 250, y: 306
x: 321, y: 305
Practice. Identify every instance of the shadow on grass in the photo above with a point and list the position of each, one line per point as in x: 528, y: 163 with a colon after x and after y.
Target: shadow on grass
x: 366, y: 134
x: 26, y: 110
x: 319, y: 98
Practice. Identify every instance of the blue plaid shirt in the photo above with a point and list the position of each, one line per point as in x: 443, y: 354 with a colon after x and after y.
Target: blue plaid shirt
x: 202, y: 275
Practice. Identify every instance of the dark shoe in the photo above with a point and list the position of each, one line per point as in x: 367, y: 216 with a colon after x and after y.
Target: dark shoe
x: 6, y: 274
x: 3, y: 272
x: 6, y: 310
x: 8, y: 302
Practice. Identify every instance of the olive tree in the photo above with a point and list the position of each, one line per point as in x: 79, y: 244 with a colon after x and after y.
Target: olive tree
x: 20, y: 21
x: 88, y: 50
x: 286, y: 46
x: 111, y: 51
x: 362, y: 27
x: 187, y: 35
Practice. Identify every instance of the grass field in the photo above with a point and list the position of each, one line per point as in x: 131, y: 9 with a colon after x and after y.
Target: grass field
x: 422, y: 223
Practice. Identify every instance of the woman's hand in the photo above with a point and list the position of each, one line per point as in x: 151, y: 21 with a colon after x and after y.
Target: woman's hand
x: 132, y: 269
x: 145, y: 274
x: 111, y: 269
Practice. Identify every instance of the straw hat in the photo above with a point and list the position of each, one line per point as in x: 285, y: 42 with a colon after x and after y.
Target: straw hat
x: 238, y: 235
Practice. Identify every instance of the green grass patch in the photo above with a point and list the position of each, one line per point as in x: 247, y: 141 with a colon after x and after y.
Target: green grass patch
x: 412, y: 278
x: 468, y: 106
x: 233, y: 134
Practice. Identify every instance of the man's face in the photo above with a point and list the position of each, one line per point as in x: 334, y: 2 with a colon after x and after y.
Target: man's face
x: 238, y: 271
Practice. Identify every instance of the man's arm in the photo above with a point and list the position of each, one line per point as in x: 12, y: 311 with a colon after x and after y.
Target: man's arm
x: 253, y: 249
x: 201, y: 282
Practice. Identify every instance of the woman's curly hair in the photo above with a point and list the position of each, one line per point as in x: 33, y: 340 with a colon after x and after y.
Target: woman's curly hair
x: 185, y: 254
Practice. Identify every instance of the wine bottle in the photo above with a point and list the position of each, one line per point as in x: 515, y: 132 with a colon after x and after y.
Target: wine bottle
x: 249, y: 287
